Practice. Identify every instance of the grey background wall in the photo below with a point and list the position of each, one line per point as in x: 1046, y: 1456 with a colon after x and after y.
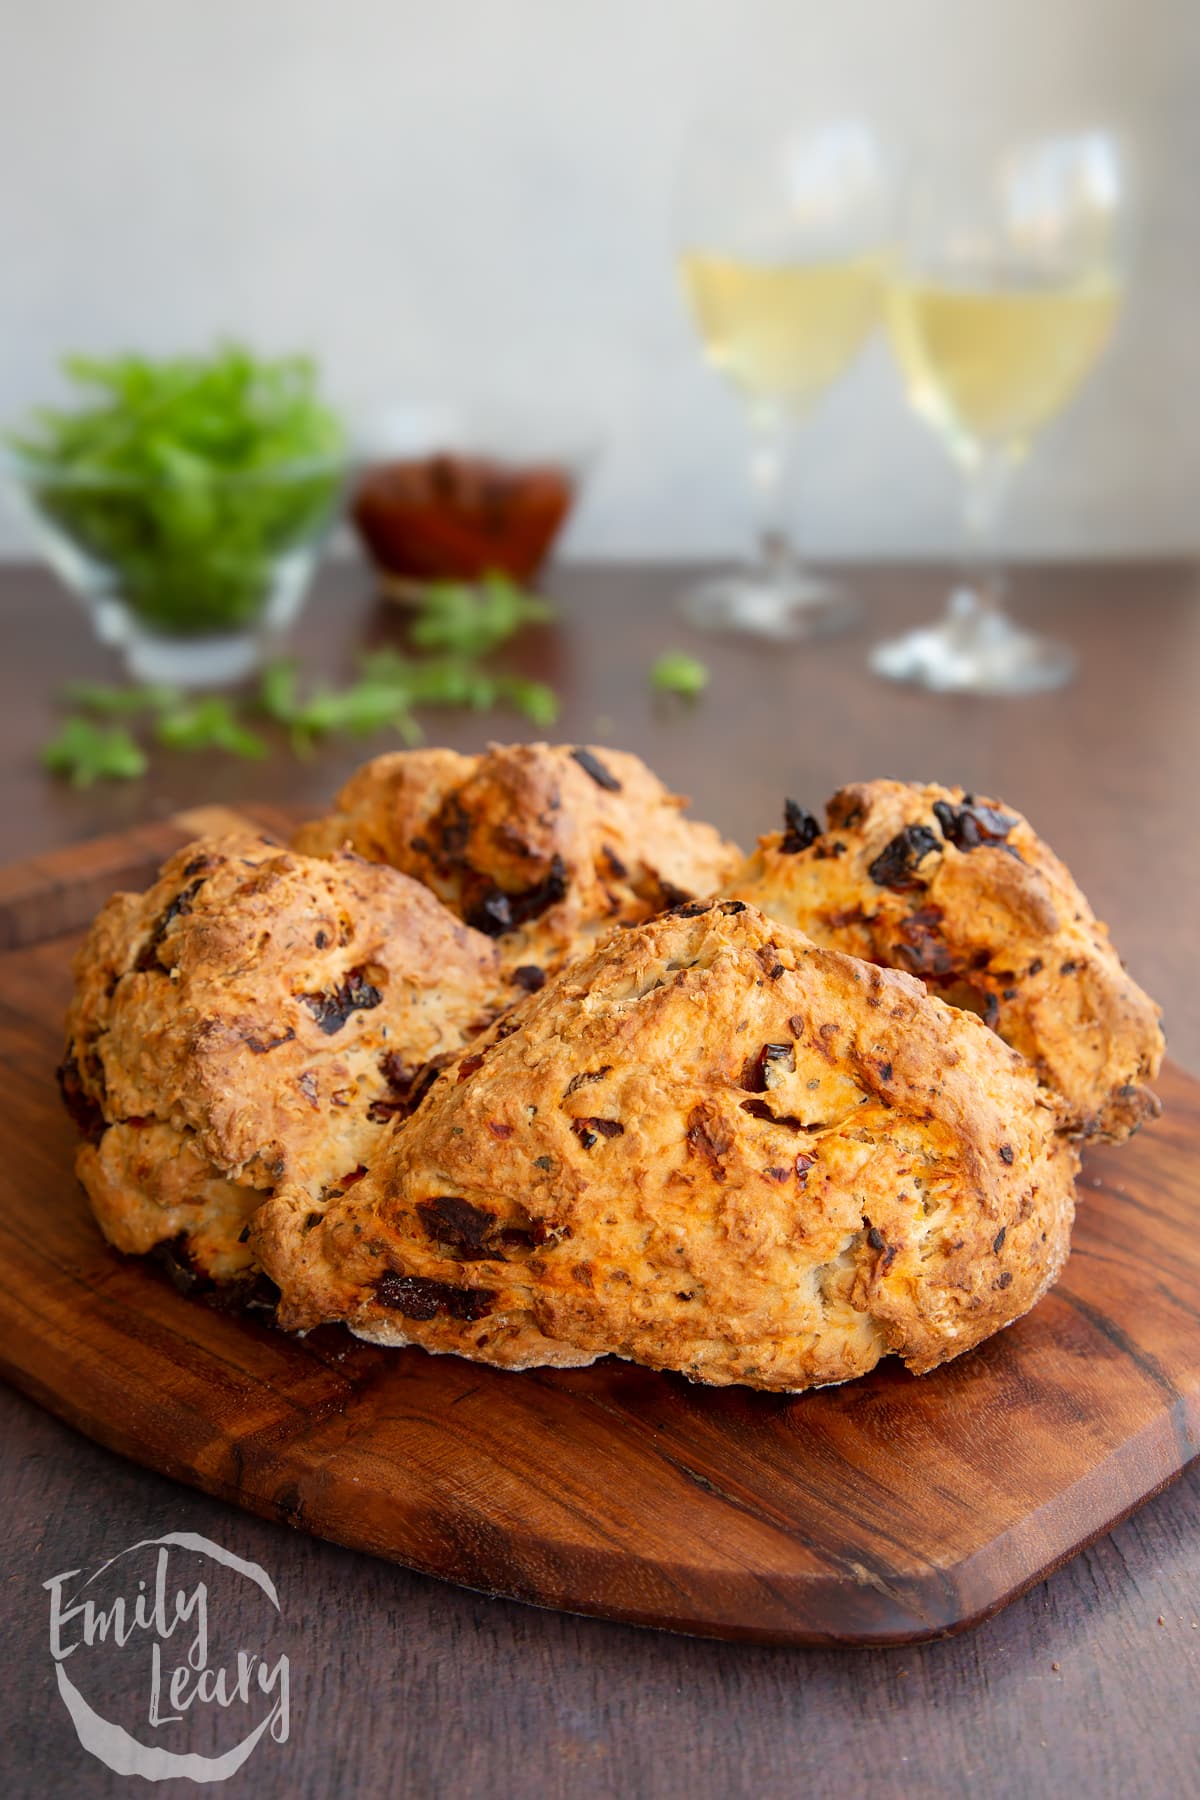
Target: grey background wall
x: 472, y: 197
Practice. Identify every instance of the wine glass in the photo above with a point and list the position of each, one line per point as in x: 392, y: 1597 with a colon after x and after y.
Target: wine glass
x: 782, y: 227
x: 1002, y: 295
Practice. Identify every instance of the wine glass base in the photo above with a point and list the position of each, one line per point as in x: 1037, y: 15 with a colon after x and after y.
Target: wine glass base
x: 785, y: 608
x: 975, y: 652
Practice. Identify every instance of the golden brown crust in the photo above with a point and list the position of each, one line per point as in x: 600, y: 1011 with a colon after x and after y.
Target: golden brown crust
x: 541, y: 847
x: 150, y: 1185
x: 256, y: 1016
x: 711, y: 1147
x: 963, y: 893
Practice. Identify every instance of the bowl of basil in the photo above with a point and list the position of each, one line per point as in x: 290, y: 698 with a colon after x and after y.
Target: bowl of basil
x: 184, y: 500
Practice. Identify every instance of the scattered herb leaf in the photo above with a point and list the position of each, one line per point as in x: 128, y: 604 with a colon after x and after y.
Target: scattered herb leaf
x: 377, y: 700
x: 118, y: 702
x: 475, y: 619
x: 676, y: 672
x: 390, y: 686
x: 208, y: 724
x: 532, y: 699
x: 85, y: 753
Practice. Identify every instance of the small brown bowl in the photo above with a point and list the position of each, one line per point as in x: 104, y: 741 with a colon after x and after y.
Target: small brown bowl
x: 443, y: 496
x: 459, y: 518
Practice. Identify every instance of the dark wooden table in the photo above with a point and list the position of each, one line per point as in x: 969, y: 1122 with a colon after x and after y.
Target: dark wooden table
x: 402, y: 1686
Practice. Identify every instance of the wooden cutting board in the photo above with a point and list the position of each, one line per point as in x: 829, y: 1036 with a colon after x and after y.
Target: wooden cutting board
x: 880, y: 1512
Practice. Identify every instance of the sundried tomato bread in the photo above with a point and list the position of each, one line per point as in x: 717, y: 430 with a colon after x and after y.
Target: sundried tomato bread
x: 468, y: 1067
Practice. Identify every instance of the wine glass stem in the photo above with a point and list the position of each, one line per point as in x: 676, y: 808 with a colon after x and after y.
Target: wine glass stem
x: 987, y: 478
x: 768, y: 456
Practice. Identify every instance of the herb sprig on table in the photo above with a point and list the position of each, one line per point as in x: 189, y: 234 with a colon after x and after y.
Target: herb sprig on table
x: 474, y: 621
x: 85, y: 753
x: 675, y: 672
x: 187, y: 477
x: 456, y: 629
x: 389, y: 690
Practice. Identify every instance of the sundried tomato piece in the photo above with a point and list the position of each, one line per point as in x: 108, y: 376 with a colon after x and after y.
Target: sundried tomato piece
x: 899, y: 861
x: 588, y: 1130
x: 451, y: 1220
x: 454, y: 829
x: 691, y: 909
x: 495, y: 912
x: 755, y: 1070
x: 401, y: 1083
x: 591, y: 765
x: 333, y: 1008
x: 758, y: 1109
x: 708, y: 1138
x: 397, y: 1074
x: 178, y: 908
x: 972, y: 824
x: 426, y: 1079
x: 418, y: 1297
x: 800, y: 828
x: 260, y: 1046
x: 584, y: 1077
x: 920, y: 949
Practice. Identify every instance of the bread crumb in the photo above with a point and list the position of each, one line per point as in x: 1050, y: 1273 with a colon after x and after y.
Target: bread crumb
x: 1056, y: 1667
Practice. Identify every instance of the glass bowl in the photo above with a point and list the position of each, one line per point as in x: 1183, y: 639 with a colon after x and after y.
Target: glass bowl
x: 189, y: 577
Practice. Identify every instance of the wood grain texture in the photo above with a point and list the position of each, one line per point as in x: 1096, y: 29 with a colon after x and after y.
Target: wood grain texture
x: 60, y: 892
x: 884, y: 1511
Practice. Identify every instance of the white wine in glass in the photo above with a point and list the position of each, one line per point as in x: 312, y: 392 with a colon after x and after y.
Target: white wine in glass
x: 782, y: 231
x: 782, y: 332
x: 1002, y: 297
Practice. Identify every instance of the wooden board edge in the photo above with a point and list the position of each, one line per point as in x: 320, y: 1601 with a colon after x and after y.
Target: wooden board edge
x: 47, y: 896
x: 922, y: 1606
